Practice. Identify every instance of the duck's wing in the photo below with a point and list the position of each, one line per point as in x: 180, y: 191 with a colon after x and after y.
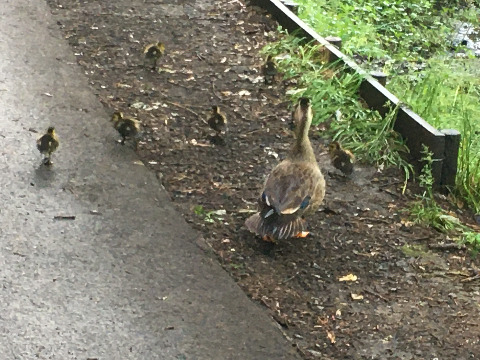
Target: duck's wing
x: 39, y: 142
x: 292, y: 186
x: 44, y: 142
x: 54, y: 144
x: 129, y: 127
x: 148, y: 48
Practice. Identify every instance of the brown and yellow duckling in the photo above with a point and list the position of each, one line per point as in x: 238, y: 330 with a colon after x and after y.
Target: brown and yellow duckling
x: 218, y: 121
x: 269, y: 70
x: 126, y: 127
x: 342, y: 159
x: 295, y: 187
x: 153, y: 52
x: 47, y: 144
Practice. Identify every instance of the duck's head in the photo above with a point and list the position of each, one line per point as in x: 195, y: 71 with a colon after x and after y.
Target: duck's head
x: 302, y: 116
x: 215, y: 109
x: 161, y: 47
x: 117, y: 116
x: 304, y: 102
x: 334, y: 146
x: 51, y: 130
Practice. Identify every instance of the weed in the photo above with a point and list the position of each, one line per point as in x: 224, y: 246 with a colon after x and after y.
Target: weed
x: 472, y: 239
x: 425, y: 210
x: 450, y: 100
x: 209, y: 216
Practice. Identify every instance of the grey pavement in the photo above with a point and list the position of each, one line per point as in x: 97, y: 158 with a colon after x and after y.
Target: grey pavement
x: 125, y: 279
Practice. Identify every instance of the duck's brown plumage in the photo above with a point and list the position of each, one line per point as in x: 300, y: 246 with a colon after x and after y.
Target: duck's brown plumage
x: 342, y: 159
x: 295, y: 187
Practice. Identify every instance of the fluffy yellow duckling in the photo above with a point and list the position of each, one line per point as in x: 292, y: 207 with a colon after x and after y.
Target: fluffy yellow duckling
x: 126, y: 127
x: 217, y: 121
x: 342, y: 159
x: 47, y: 144
x: 269, y: 70
x: 295, y: 187
x: 153, y: 52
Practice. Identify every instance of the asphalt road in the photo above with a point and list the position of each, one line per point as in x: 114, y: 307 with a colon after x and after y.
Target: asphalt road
x: 126, y: 279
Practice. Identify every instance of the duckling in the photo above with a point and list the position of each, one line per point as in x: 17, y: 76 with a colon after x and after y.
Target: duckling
x: 342, y: 159
x: 269, y: 70
x: 153, y: 52
x: 218, y: 121
x: 47, y: 144
x: 295, y: 187
x: 127, y: 127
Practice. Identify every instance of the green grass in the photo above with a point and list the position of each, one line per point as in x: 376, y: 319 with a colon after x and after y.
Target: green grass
x: 425, y: 210
x: 449, y: 99
x: 395, y: 30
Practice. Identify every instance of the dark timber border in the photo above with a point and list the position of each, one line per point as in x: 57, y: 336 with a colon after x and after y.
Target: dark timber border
x: 412, y: 127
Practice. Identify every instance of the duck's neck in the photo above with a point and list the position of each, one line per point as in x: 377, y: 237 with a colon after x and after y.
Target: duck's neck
x: 302, y: 149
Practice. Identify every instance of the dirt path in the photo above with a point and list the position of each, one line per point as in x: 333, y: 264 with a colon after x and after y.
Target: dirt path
x: 408, y: 302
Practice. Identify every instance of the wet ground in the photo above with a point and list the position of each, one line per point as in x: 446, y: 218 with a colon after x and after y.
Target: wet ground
x: 366, y: 284
x: 96, y: 262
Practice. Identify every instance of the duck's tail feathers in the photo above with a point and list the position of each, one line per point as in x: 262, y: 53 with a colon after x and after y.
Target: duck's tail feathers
x: 275, y: 227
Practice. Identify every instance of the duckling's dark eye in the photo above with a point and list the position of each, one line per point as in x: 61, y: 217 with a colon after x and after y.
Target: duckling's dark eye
x: 291, y: 125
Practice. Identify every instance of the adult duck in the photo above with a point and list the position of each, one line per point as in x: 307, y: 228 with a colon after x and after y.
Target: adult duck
x: 294, y: 188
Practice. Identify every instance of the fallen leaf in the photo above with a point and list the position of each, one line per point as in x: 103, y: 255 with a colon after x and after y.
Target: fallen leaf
x: 165, y: 70
x: 357, y: 296
x: 244, y: 93
x: 315, y: 353
x: 138, y: 105
x: 331, y: 336
x: 123, y: 86
x: 349, y: 277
